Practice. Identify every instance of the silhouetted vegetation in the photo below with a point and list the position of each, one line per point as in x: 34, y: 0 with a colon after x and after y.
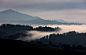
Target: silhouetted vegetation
x: 70, y: 35
x: 31, y: 48
x: 11, y: 31
x: 68, y: 39
x: 18, y: 27
x: 15, y: 27
x: 40, y: 28
x: 39, y: 42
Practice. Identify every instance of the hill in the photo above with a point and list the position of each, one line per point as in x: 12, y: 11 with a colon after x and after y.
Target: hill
x: 11, y: 15
x: 71, y: 38
x: 47, y: 22
x: 11, y: 31
x: 47, y: 29
x: 37, y: 48
x: 60, y: 20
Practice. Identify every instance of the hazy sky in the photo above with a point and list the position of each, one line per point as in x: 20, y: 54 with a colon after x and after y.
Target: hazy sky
x: 68, y: 10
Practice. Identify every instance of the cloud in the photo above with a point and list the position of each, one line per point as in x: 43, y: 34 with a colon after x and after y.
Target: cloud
x: 40, y: 1
x: 68, y: 10
x: 59, y: 6
x: 44, y: 4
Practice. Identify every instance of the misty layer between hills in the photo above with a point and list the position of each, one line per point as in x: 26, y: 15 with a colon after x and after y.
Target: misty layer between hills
x: 11, y: 31
x: 65, y: 29
x: 28, y: 33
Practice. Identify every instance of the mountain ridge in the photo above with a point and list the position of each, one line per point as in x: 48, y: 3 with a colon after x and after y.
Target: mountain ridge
x: 9, y: 15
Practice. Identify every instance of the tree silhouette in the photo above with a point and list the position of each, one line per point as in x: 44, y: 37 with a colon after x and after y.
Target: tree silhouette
x: 73, y: 48
x: 40, y: 28
x: 79, y: 47
x: 50, y: 43
x: 39, y: 42
x: 66, y: 46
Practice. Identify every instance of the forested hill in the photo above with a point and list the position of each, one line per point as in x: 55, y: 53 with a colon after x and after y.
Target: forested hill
x: 12, y: 27
x: 15, y: 27
x: 49, y: 29
x: 31, y: 48
x: 11, y: 31
x: 71, y: 38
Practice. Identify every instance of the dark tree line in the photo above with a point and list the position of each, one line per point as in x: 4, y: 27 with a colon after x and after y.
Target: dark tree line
x: 65, y: 46
x: 11, y: 31
x: 40, y: 28
x: 15, y: 27
x: 72, y: 38
x: 5, y: 35
x: 26, y: 27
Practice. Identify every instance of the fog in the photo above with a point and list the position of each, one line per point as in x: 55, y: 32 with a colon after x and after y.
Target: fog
x: 65, y: 28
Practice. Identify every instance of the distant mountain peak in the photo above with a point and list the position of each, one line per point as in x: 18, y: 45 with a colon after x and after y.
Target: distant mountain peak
x: 15, y: 15
x: 9, y: 10
x: 60, y: 20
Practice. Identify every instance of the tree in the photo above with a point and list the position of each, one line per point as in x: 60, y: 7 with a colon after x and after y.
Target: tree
x: 73, y: 48
x: 66, y: 46
x: 79, y: 47
x: 50, y: 43
x: 39, y: 42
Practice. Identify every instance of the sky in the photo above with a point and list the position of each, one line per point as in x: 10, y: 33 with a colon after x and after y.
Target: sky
x: 68, y: 10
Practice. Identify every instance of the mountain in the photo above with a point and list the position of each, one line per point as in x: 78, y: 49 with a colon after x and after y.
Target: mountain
x: 48, y: 22
x: 60, y: 20
x: 45, y: 22
x: 11, y: 15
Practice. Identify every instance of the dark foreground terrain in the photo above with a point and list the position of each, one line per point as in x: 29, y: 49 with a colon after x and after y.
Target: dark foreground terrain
x: 17, y: 46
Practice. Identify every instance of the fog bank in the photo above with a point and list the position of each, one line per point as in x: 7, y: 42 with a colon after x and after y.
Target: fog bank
x: 65, y: 28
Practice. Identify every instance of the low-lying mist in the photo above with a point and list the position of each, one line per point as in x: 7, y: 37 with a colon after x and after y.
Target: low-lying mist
x: 65, y: 28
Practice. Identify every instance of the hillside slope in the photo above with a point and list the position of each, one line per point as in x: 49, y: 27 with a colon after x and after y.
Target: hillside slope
x: 11, y: 15
x: 31, y: 48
